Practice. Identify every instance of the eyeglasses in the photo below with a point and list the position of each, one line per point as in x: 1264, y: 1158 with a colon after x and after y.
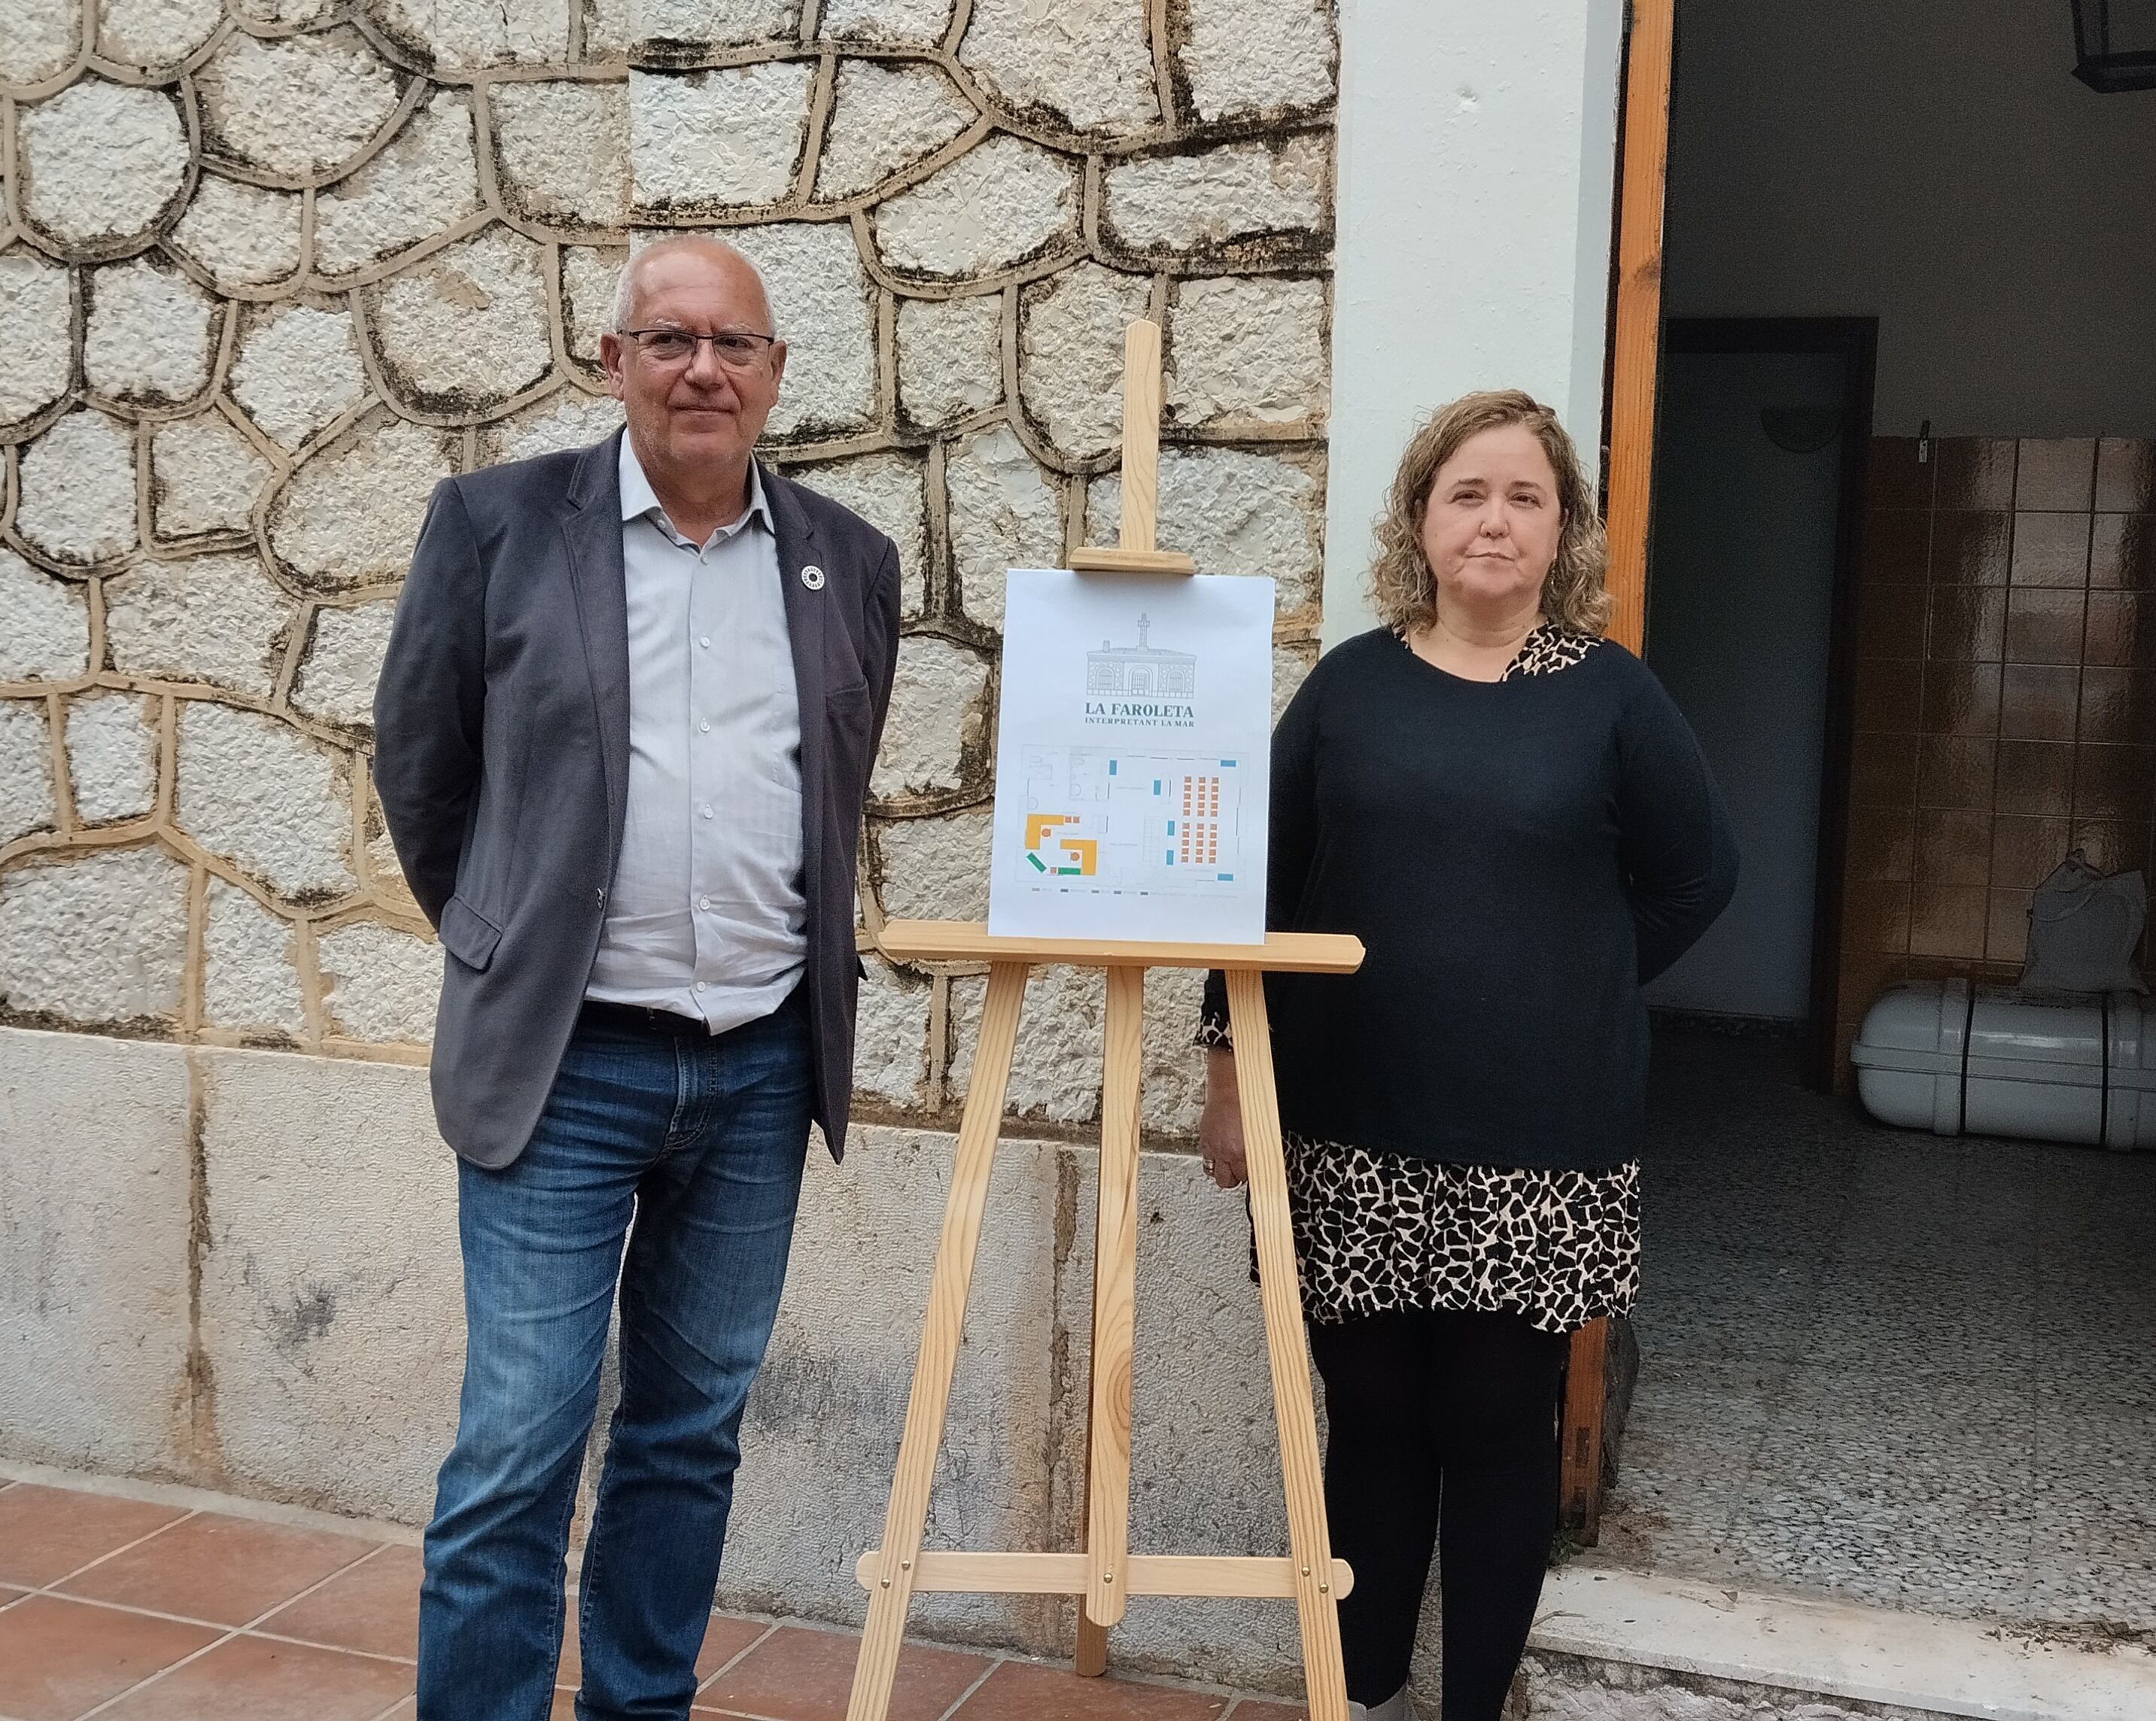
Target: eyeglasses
x: 737, y: 349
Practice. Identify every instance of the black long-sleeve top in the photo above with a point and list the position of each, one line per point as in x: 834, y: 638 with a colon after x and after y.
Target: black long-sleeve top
x: 1518, y: 857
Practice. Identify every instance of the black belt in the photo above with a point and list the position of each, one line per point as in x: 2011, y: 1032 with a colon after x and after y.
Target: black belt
x: 643, y: 1018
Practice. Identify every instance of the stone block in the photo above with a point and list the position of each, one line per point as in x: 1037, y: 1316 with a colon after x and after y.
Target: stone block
x: 466, y: 35
x: 93, y: 1221
x: 561, y: 153
x: 1070, y: 354
x: 102, y: 165
x: 249, y: 981
x: 331, y: 1311
x: 1243, y: 58
x: 891, y: 1044
x: 1000, y: 204
x: 884, y: 118
x: 155, y: 34
x: 820, y: 299
x: 950, y: 357
x: 336, y: 679
x: 240, y: 235
x: 1171, y: 1087
x: 1005, y: 513
x: 1236, y: 512
x: 112, y: 747
x: 1249, y: 350
x: 1056, y: 1071
x: 379, y: 983
x: 607, y: 28
x: 97, y: 938
x: 265, y: 798
x: 1293, y: 660
x: 39, y: 40
x: 567, y: 417
x: 588, y: 275
x: 204, y: 477
x: 297, y: 370
x: 77, y: 489
x: 1087, y: 63
x: 886, y: 490
x: 151, y: 334
x: 1205, y: 1475
x: 291, y: 14
x: 933, y: 869
x: 729, y: 138
x: 299, y: 107
x: 820, y: 1437
x: 216, y: 618
x: 47, y: 637
x: 918, y: 24
x: 939, y: 717
x: 466, y: 328
x: 26, y: 769
x: 1206, y: 200
x: 350, y: 516
x: 37, y: 308
x: 424, y: 181
x: 679, y: 26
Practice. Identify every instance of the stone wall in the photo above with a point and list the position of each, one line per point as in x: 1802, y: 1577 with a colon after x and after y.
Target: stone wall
x: 272, y: 270
x: 267, y: 270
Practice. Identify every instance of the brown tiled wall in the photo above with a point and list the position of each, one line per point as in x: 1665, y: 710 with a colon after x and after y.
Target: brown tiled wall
x: 2005, y: 696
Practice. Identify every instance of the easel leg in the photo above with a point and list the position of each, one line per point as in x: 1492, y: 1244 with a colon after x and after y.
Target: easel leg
x: 1115, y: 1308
x: 908, y: 1512
x: 1309, y: 1543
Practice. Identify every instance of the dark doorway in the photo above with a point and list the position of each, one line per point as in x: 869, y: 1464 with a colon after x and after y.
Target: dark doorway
x: 1759, y: 457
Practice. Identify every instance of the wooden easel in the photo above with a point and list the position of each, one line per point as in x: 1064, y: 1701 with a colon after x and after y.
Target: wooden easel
x: 1107, y: 1571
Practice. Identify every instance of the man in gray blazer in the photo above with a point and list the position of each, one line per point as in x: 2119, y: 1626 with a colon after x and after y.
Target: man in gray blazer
x: 623, y: 737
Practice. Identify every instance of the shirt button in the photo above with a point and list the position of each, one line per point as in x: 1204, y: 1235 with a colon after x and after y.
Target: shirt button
x: 703, y: 902
x: 705, y: 642
x: 699, y: 985
x: 707, y: 812
x: 705, y: 726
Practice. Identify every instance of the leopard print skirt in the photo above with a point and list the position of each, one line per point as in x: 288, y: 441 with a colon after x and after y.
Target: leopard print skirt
x: 1376, y: 1231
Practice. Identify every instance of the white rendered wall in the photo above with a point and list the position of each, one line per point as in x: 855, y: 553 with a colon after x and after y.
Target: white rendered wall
x: 1477, y: 156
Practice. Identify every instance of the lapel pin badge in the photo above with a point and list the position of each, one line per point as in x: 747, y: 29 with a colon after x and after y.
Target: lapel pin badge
x: 812, y: 577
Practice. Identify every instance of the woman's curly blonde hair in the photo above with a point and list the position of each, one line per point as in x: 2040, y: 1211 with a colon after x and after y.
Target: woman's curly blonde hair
x: 1403, y: 591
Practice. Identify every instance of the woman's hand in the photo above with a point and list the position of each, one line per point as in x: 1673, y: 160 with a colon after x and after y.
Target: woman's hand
x: 1220, y: 1124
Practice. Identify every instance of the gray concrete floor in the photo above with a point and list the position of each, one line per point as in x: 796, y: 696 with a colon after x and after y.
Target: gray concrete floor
x: 1886, y: 1366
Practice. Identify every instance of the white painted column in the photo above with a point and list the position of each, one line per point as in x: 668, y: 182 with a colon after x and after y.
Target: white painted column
x: 1477, y: 155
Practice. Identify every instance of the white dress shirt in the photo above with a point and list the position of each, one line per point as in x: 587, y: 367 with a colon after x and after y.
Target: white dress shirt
x: 707, y: 917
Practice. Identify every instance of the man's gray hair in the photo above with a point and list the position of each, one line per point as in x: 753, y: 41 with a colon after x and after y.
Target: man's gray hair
x: 624, y: 286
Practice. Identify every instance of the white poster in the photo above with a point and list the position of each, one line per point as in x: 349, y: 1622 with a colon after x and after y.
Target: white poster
x: 1131, y: 757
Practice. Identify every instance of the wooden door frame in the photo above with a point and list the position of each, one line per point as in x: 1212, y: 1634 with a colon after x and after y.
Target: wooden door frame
x: 1855, y: 341
x: 1633, y: 349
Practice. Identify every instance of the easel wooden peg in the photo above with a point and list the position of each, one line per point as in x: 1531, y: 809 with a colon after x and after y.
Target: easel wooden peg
x: 1107, y: 1572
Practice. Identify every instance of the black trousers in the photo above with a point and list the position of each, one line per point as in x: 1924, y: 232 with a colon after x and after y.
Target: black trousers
x: 1444, y: 1433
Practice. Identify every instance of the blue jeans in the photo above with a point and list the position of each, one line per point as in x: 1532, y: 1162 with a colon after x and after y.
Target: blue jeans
x: 700, y: 1140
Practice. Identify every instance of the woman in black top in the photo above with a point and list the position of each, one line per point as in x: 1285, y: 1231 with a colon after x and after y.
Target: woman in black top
x: 1511, y: 815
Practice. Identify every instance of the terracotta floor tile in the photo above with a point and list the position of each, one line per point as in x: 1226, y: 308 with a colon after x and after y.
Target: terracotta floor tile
x: 59, y: 1659
x: 373, y: 1607
x: 46, y: 1533
x: 1024, y: 1691
x: 1253, y: 1709
x: 254, y: 1679
x: 224, y: 1569
x: 797, y: 1675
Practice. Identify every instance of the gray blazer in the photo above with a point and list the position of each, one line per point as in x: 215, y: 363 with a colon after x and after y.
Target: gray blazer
x: 501, y: 762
